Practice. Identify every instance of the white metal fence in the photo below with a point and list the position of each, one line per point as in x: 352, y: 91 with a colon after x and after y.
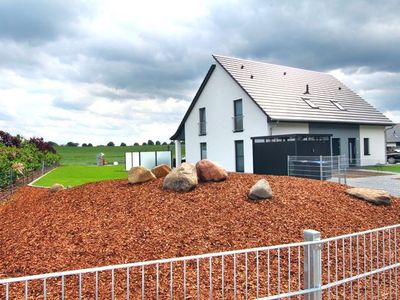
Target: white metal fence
x: 360, y: 265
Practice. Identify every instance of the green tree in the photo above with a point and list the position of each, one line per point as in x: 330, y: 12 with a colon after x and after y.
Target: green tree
x: 110, y: 144
x: 150, y: 142
x: 123, y: 144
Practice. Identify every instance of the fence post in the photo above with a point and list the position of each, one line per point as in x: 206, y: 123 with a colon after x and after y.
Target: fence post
x: 312, y: 265
x: 320, y: 167
x: 42, y: 167
x: 288, y: 165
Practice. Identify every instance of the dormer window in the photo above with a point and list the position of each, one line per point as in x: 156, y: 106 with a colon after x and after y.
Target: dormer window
x: 310, y: 103
x: 338, y: 105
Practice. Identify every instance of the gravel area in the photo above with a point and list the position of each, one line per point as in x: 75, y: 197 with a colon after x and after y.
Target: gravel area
x: 114, y: 222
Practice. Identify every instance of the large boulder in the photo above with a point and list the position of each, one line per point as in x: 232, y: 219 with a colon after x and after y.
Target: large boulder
x: 181, y: 179
x: 56, y: 188
x: 210, y: 171
x: 261, y: 190
x: 377, y: 197
x: 161, y: 170
x: 140, y: 174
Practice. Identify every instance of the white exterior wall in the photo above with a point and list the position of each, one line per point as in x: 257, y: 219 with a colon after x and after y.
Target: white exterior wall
x: 377, y: 150
x: 288, y: 128
x: 217, y: 97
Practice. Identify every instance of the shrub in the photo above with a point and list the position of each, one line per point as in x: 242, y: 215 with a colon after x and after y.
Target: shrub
x: 19, y: 156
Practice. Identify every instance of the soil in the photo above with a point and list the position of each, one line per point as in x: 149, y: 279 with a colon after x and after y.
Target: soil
x: 114, y: 222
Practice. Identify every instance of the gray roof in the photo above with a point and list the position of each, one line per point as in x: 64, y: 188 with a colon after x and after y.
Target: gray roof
x: 278, y: 91
x: 393, y: 134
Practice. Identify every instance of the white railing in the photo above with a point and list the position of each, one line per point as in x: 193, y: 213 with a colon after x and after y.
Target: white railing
x: 358, y: 265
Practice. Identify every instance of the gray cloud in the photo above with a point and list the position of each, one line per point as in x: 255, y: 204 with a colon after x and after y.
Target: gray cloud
x: 49, y: 40
x: 35, y: 21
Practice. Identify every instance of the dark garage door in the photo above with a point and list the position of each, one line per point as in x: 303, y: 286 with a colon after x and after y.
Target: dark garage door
x: 270, y: 153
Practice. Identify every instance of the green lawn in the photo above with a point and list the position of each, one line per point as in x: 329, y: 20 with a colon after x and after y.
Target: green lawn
x: 388, y: 168
x: 87, y: 155
x: 77, y: 175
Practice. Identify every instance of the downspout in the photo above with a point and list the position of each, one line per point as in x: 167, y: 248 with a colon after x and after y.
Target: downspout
x: 271, y: 127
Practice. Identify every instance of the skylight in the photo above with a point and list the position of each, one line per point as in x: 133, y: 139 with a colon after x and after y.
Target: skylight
x: 338, y: 105
x: 310, y: 103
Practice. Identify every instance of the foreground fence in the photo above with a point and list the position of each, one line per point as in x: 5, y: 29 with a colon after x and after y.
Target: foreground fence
x: 358, y: 265
x: 11, y: 180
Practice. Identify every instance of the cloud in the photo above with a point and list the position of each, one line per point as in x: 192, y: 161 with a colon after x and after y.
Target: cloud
x: 38, y: 21
x: 121, y: 68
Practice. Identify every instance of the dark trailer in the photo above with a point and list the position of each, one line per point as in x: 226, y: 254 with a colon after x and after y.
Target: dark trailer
x: 270, y: 152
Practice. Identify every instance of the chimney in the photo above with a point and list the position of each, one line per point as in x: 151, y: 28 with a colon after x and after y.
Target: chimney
x: 307, y: 91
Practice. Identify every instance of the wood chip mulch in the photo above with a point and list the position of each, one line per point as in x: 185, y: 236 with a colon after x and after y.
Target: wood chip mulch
x: 113, y: 222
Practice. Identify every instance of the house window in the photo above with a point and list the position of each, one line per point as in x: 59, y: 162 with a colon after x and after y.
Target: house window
x: 310, y: 103
x: 366, y: 146
x: 238, y: 115
x: 203, y: 150
x: 239, y: 156
x: 336, y: 146
x: 338, y: 105
x: 202, y: 121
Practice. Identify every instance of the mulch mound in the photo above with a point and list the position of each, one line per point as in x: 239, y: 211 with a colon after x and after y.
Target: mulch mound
x: 113, y: 222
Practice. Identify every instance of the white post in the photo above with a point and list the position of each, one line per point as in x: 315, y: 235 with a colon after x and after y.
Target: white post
x: 288, y: 165
x: 178, y: 153
x: 312, y: 265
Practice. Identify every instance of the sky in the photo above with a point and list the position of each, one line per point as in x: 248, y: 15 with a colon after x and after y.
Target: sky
x: 126, y: 70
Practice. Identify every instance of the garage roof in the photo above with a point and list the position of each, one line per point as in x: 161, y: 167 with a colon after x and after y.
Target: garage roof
x: 292, y: 94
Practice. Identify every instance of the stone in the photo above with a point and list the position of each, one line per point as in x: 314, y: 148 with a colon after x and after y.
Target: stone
x: 181, y: 179
x: 140, y: 174
x: 261, y: 190
x: 161, y: 170
x: 208, y: 170
x: 377, y: 197
x: 56, y: 188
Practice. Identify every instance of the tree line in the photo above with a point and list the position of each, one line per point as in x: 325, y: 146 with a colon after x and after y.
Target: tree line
x: 112, y: 144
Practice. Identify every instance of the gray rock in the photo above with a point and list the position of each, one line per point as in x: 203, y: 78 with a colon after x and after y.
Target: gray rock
x: 377, y: 197
x: 181, y: 179
x: 261, y: 190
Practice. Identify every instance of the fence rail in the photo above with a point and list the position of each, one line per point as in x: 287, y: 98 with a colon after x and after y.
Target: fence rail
x: 357, y: 265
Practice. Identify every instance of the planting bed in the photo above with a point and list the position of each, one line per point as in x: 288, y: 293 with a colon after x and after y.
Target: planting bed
x: 113, y: 222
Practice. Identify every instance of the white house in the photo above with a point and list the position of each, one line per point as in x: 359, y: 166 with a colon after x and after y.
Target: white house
x: 241, y: 99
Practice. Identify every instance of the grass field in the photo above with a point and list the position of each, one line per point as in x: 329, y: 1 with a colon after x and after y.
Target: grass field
x: 387, y: 168
x: 87, y: 155
x: 78, y: 175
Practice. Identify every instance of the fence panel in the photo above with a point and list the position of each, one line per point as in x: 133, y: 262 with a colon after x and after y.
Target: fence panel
x: 359, y: 265
x: 10, y: 180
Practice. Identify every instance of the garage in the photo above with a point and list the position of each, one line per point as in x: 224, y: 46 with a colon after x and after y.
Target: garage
x: 270, y: 152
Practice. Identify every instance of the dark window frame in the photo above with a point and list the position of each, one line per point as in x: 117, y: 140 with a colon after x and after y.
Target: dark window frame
x: 201, y: 150
x: 236, y: 156
x: 366, y: 147
x: 202, y: 121
x: 237, y: 115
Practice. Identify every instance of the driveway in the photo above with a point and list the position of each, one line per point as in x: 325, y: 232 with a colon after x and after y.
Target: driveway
x: 389, y: 182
